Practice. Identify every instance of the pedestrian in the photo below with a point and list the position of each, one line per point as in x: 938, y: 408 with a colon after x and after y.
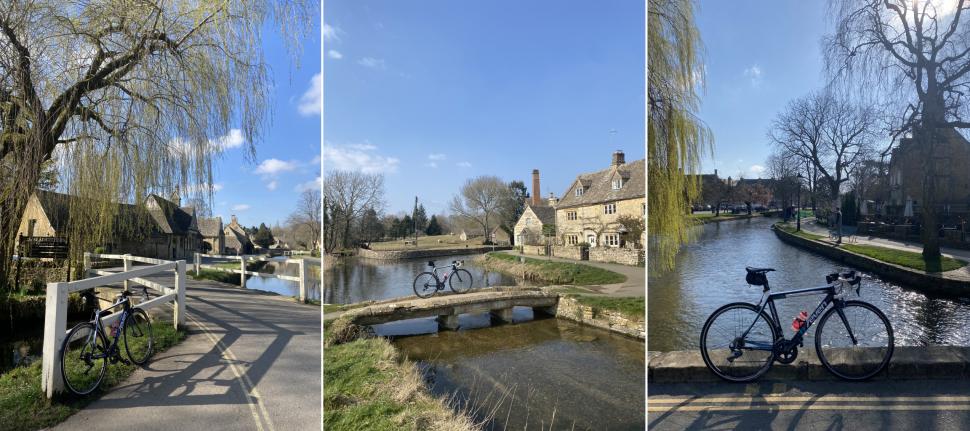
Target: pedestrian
x: 838, y: 224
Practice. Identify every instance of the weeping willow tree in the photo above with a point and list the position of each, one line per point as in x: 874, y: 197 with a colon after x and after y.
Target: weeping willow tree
x: 676, y: 138
x: 127, y: 98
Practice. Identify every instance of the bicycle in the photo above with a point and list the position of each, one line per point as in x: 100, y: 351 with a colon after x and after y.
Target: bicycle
x: 751, y: 340
x: 426, y: 284
x: 85, y: 351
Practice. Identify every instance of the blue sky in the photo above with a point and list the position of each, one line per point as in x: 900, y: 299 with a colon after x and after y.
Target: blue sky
x: 434, y: 92
x: 759, y: 56
x: 288, y: 158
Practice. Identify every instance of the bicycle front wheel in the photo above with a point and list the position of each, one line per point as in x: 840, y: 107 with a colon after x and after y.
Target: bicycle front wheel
x: 139, y: 341
x: 425, y: 285
x: 855, y: 344
x: 737, y: 342
x: 460, y: 281
x: 83, y: 359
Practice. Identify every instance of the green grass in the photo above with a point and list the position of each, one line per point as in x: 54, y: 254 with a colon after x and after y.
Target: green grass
x: 210, y: 274
x: 427, y: 243
x: 23, y: 406
x: 909, y: 259
x: 791, y: 229
x: 630, y: 307
x: 368, y: 386
x: 553, y: 272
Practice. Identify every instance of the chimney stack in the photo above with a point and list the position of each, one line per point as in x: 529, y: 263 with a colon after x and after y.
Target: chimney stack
x: 618, y: 158
x: 715, y: 173
x: 552, y: 200
x: 536, y: 197
x: 234, y: 221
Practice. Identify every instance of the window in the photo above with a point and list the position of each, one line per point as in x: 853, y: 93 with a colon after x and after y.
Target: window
x: 579, y: 191
x: 528, y: 221
x: 571, y: 215
x: 617, y: 183
x: 609, y: 209
x: 572, y: 239
x: 612, y: 240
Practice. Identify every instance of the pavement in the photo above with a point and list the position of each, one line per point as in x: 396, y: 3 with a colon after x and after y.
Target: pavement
x: 834, y: 405
x: 636, y: 279
x: 250, y: 361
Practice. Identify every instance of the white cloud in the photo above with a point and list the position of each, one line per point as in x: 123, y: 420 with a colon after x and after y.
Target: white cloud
x: 202, y: 188
x: 436, y: 156
x: 756, y: 170
x: 240, y: 207
x: 234, y: 139
x: 331, y: 33
x: 334, y: 54
x: 754, y: 74
x: 464, y: 165
x: 371, y: 62
x: 358, y: 157
x: 275, y: 167
x: 272, y: 185
x: 309, y: 185
x: 311, y: 103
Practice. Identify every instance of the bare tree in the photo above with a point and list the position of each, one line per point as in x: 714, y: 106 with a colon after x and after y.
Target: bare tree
x: 128, y: 94
x: 307, y: 217
x: 784, y: 170
x: 482, y: 200
x: 913, y: 60
x: 353, y: 192
x: 828, y: 133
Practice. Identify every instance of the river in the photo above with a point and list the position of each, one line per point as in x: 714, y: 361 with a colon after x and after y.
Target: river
x: 709, y: 273
x: 525, y: 374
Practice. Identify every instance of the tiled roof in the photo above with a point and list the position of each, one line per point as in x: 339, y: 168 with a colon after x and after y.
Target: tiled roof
x: 169, y: 217
x: 598, y: 187
x: 210, y: 227
x: 546, y: 214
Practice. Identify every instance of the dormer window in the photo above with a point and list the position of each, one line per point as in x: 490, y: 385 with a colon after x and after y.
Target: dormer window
x: 579, y: 191
x: 617, y: 183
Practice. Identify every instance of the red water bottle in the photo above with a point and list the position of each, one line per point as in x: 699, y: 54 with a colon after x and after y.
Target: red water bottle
x: 799, y: 321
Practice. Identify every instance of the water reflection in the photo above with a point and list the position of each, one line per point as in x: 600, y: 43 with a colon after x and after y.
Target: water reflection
x: 710, y: 272
x: 519, y: 376
x: 357, y: 279
x: 279, y: 266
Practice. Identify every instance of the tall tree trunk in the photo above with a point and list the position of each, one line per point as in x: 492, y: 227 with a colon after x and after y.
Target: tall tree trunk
x: 929, y: 233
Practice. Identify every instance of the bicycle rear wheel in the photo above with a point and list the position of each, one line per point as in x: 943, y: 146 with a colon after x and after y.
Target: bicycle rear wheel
x: 83, y: 359
x: 425, y: 285
x: 460, y: 281
x: 732, y: 354
x: 862, y: 358
x: 139, y: 340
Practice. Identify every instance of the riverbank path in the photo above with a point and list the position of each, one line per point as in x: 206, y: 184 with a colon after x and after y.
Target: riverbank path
x: 250, y: 361
x: 829, y: 405
x: 809, y: 225
x: 635, y: 284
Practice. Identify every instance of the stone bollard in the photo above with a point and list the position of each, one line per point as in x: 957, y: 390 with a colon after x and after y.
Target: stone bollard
x: 448, y: 322
x: 502, y: 315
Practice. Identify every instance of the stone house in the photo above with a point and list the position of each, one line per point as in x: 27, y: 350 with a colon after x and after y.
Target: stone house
x: 529, y: 230
x: 906, y: 174
x: 589, y: 210
x: 237, y: 240
x: 160, y: 229
x: 212, y: 235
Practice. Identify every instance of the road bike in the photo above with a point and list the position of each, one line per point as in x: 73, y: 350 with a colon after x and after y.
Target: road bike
x: 427, y: 283
x: 86, y: 351
x: 740, y: 341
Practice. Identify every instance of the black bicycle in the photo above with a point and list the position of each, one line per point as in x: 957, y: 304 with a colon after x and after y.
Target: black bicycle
x: 86, y: 351
x: 740, y: 341
x: 426, y: 284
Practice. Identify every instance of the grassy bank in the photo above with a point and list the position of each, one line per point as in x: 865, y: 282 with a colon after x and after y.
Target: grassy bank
x: 909, y: 259
x: 630, y: 307
x: 547, y: 271
x: 791, y: 229
x: 23, y: 406
x: 427, y: 243
x: 225, y: 277
x: 702, y: 218
x: 369, y: 386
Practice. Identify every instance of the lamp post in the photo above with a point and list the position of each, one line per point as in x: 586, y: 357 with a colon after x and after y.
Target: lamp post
x: 798, y: 215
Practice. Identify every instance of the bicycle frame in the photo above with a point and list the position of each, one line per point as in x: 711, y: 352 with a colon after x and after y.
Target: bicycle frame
x: 99, y: 326
x: 441, y: 281
x: 768, y: 301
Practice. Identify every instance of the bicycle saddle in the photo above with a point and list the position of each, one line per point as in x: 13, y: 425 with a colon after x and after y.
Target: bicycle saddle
x: 430, y: 263
x: 752, y: 270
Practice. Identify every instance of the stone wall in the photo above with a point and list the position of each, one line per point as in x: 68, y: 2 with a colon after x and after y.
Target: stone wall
x: 36, y: 274
x: 417, y: 254
x: 537, y: 250
x: 591, y: 220
x: 625, y: 256
x: 570, y: 309
x: 567, y: 252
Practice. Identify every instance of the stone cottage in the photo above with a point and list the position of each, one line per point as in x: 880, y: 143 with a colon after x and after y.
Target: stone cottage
x: 589, y: 210
x: 213, y: 237
x: 906, y: 174
x: 237, y: 240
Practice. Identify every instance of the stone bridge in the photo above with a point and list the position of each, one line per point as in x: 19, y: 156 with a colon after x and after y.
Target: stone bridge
x: 498, y: 301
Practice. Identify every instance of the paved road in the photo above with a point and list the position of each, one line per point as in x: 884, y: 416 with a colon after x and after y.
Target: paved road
x: 251, y: 361
x: 836, y: 405
x: 635, y: 284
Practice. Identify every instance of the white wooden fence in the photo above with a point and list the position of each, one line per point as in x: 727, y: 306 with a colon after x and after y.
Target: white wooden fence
x: 55, y: 319
x: 303, y: 278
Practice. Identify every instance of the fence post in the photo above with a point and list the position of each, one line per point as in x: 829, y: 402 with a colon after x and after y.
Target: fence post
x: 87, y: 264
x: 127, y: 265
x: 304, y: 276
x: 55, y: 320
x: 197, y: 261
x: 179, y: 319
x: 242, y: 274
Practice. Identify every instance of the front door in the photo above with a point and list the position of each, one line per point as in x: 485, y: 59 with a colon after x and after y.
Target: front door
x: 591, y: 239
